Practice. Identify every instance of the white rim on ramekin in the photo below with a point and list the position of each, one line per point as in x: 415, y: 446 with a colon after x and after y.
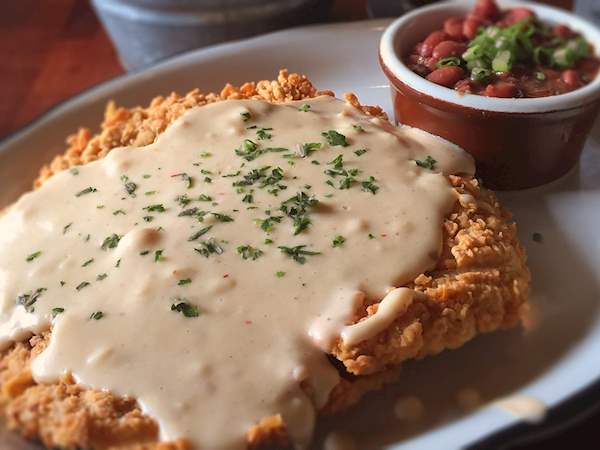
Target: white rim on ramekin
x: 548, y: 14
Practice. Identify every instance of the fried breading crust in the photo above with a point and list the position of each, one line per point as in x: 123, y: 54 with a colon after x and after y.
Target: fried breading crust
x: 480, y: 284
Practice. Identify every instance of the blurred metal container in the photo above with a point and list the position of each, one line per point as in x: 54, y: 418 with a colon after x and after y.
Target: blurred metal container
x: 146, y: 31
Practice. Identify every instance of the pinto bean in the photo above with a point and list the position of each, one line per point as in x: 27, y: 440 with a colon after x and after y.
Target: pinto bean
x: 470, y: 27
x: 448, y: 48
x: 515, y: 15
x: 571, y: 78
x: 501, y: 89
x: 486, y: 10
x: 446, y: 76
x: 453, y: 27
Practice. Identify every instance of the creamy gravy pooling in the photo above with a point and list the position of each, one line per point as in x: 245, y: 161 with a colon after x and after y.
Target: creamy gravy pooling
x: 164, y: 277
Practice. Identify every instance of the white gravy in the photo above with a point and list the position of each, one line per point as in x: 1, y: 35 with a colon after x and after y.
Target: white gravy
x: 207, y: 341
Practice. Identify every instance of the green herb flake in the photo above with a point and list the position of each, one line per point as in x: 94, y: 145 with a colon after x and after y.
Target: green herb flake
x: 96, y: 315
x: 297, y: 253
x: 370, y: 186
x: 427, y: 163
x: 56, y: 311
x: 268, y: 241
x: 334, y: 138
x: 88, y: 262
x: 184, y: 281
x: 33, y: 256
x: 155, y: 208
x: 185, y: 308
x: 358, y: 128
x: 249, y: 252
x: 87, y: 190
x: 371, y: 236
x: 110, y: 242
x: 280, y: 274
x: 205, y: 155
x: 338, y: 241
x: 360, y: 151
x: 101, y: 277
x: 67, y: 227
x: 304, y: 107
x: 209, y: 247
x: 245, y: 116
x: 28, y: 300
x: 158, y: 255
x: 537, y: 237
x: 222, y: 217
x: 119, y: 211
x: 82, y: 285
x: 199, y: 233
x: 74, y: 171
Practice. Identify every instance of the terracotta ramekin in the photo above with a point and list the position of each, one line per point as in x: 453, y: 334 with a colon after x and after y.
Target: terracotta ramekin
x: 517, y: 143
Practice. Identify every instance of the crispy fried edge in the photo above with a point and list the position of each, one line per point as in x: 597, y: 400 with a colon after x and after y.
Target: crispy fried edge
x: 478, y: 238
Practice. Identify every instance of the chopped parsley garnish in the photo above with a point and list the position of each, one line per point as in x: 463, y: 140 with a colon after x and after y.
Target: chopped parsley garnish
x: 370, y: 186
x: 249, y: 150
x: 33, y: 256
x: 184, y: 281
x: 245, y: 116
x: 298, y: 208
x: 67, y: 227
x: 205, y: 155
x: 358, y: 128
x: 268, y: 241
x: 119, y: 211
x: 268, y: 223
x: 360, y: 151
x: 309, y: 148
x: 96, y: 315
x: 101, y: 277
x: 338, y: 241
x: 118, y: 263
x: 158, y: 255
x: 185, y: 308
x: 304, y: 107
x: 263, y: 133
x: 537, y: 237
x: 56, y: 311
x: 371, y: 236
x: 280, y: 274
x: 148, y: 218
x: 249, y: 252
x: 82, y: 285
x: 87, y: 190
x: 88, y: 262
x: 110, y: 242
x: 74, y: 171
x: 297, y: 253
x: 146, y: 176
x: 427, y: 163
x: 155, y: 208
x: 222, y: 217
x: 248, y: 198
x: 187, y: 179
x: 28, y: 300
x: 149, y: 192
x: 204, y: 198
x: 199, y: 233
x: 209, y: 247
x: 130, y: 186
x: 335, y: 138
x: 183, y: 200
x: 144, y: 252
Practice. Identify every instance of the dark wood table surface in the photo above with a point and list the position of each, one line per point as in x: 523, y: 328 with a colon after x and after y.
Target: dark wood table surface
x: 51, y: 50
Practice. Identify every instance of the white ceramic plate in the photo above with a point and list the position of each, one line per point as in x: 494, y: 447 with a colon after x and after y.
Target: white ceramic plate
x: 556, y: 363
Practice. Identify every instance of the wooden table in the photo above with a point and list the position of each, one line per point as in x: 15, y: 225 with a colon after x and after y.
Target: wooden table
x: 53, y: 49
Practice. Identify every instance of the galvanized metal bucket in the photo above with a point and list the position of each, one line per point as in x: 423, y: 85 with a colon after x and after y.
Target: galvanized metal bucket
x: 146, y: 31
